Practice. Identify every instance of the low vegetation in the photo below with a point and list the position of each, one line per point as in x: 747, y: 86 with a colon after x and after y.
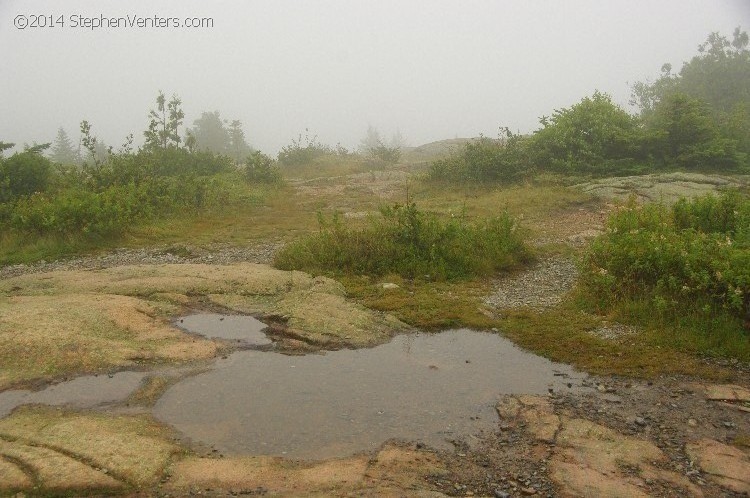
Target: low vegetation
x: 110, y: 193
x: 410, y: 243
x: 686, y: 267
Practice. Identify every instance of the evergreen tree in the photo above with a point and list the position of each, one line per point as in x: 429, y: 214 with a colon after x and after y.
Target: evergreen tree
x: 210, y: 134
x: 238, y: 146
x: 63, y: 151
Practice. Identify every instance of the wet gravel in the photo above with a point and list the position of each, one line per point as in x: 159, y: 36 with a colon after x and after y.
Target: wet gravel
x: 541, y: 287
x: 174, y: 254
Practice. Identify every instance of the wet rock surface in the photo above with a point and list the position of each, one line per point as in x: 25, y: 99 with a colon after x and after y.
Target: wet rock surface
x: 666, y: 187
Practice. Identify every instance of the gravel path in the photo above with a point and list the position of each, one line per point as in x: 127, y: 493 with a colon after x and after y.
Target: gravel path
x: 541, y: 287
x: 174, y: 254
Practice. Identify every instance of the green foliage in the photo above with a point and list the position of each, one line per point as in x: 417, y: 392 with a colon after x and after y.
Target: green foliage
x: 23, y: 174
x: 411, y: 243
x: 114, y: 209
x: 712, y: 92
x: 303, y: 151
x: 385, y: 153
x: 113, y: 191
x: 210, y: 134
x: 594, y: 136
x: 5, y: 146
x: 682, y: 134
x: 260, y: 168
x: 486, y: 161
x: 165, y: 120
x: 238, y: 146
x: 720, y: 73
x: 62, y: 150
x: 690, y: 260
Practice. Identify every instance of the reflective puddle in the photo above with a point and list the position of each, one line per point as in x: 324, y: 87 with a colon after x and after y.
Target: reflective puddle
x: 83, y: 392
x: 242, y: 328
x: 432, y: 388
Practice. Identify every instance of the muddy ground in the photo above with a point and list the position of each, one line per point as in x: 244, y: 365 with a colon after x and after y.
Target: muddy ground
x: 671, y: 436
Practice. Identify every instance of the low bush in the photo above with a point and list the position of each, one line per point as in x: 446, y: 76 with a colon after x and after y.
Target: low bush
x: 485, y: 160
x: 121, y: 169
x: 303, y: 151
x: 411, y: 243
x: 691, y: 260
x: 23, y: 174
x: 111, y: 211
x: 260, y: 168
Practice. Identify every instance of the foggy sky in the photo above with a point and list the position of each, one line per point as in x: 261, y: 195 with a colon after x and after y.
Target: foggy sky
x: 433, y: 70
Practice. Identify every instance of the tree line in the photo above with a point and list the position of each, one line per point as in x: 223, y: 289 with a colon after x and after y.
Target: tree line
x: 694, y: 120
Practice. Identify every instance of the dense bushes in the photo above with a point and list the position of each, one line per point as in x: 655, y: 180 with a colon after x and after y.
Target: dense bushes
x: 694, y: 257
x: 594, y: 136
x: 23, y: 174
x: 259, y: 168
x: 106, y: 198
x: 144, y: 166
x: 682, y: 134
x: 411, y: 243
x: 486, y: 161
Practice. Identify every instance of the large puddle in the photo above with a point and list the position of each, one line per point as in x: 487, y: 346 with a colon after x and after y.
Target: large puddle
x: 432, y: 388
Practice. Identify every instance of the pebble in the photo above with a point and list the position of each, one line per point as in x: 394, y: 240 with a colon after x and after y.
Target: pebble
x: 262, y: 253
x: 540, y: 287
x: 499, y: 493
x: 640, y: 421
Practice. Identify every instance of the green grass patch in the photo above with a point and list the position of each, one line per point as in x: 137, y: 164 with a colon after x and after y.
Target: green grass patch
x: 56, y: 226
x: 410, y: 243
x: 562, y: 334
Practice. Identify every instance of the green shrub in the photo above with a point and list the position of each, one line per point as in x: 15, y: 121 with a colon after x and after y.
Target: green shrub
x: 682, y: 133
x: 594, y: 136
x: 692, y: 258
x: 111, y: 211
x: 383, y: 152
x: 260, y: 168
x: 79, y: 212
x: 303, y: 152
x: 485, y: 161
x: 23, y: 174
x: 411, y: 243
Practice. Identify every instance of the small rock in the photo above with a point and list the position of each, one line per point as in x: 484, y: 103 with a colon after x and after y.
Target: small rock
x: 692, y: 422
x: 390, y: 286
x: 499, y: 493
x: 601, y: 388
x: 640, y: 421
x: 528, y: 491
